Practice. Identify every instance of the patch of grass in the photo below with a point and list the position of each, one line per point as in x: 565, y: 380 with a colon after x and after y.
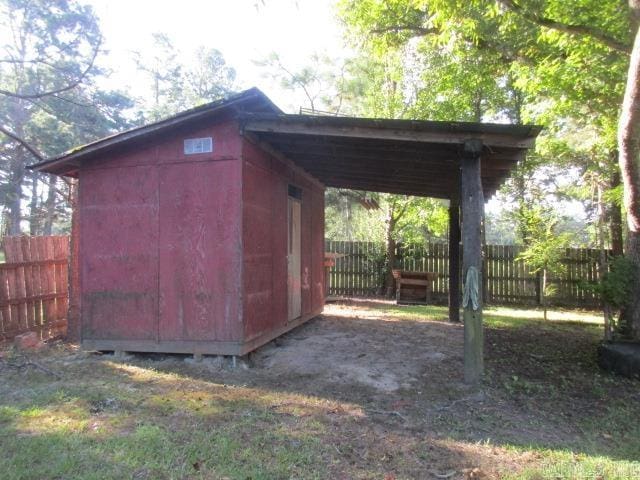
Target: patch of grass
x: 493, y: 316
x: 554, y: 465
x: 546, y: 412
x: 125, y: 421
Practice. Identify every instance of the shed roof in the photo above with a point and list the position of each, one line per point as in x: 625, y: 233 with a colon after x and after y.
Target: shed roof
x: 396, y: 156
x: 252, y: 100
x: 408, y: 157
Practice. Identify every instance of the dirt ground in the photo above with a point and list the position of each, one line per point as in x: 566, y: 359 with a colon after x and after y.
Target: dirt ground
x: 369, y: 351
x: 387, y: 390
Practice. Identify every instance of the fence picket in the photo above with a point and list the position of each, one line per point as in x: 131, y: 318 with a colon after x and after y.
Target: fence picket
x: 34, y: 280
x: 508, y: 280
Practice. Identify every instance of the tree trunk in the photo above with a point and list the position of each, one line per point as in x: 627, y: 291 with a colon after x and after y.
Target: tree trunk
x: 544, y: 293
x: 34, y: 217
x: 50, y: 205
x: 603, y: 266
x: 17, y: 170
x: 629, y: 160
x: 14, y: 197
x: 615, y: 220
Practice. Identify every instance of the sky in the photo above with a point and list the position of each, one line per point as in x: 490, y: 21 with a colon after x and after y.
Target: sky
x: 243, y: 30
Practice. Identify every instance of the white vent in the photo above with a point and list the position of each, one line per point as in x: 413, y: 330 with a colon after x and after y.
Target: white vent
x: 198, y: 145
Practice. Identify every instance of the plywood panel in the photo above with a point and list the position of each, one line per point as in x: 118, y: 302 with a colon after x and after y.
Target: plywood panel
x: 170, y: 148
x: 265, y: 239
x: 259, y: 215
x: 200, y: 251
x: 226, y: 144
x: 119, y: 259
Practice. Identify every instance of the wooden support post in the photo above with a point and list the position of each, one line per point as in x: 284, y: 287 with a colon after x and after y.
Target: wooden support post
x: 472, y: 208
x: 454, y: 260
x: 485, y: 278
x: 74, y: 332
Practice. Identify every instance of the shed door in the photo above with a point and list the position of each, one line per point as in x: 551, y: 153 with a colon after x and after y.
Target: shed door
x: 293, y: 260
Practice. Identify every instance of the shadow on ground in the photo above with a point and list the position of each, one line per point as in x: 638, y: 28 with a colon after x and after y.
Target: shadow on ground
x: 360, y: 392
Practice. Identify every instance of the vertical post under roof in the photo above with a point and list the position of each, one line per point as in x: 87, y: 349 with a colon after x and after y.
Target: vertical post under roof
x: 454, y: 258
x: 472, y: 207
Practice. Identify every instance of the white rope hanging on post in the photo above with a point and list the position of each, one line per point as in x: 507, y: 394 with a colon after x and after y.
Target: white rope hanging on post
x: 470, y: 289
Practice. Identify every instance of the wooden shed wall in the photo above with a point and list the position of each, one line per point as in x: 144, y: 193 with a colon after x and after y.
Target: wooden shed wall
x: 265, y: 195
x: 160, y: 249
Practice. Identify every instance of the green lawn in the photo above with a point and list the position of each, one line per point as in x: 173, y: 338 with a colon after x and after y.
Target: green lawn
x: 546, y: 412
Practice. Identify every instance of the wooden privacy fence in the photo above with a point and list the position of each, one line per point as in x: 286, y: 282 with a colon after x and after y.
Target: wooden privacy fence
x: 34, y: 286
x: 361, y: 272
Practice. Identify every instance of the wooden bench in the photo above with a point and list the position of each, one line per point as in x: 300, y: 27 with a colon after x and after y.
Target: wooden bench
x: 414, y: 287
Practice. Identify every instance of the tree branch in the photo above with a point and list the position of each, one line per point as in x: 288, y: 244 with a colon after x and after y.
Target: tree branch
x: 22, y: 143
x: 571, y: 29
x: 418, y: 31
x: 507, y: 57
x: 70, y: 86
x: 401, y: 212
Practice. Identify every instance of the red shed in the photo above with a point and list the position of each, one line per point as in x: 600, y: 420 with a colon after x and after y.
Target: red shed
x: 203, y: 233
x: 194, y: 238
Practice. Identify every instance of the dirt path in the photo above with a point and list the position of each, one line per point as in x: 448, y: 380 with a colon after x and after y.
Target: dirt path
x: 352, y: 345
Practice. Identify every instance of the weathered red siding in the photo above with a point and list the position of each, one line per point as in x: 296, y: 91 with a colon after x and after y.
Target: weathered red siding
x: 265, y: 193
x: 200, y: 252
x: 160, y: 251
x: 188, y: 253
x: 118, y: 253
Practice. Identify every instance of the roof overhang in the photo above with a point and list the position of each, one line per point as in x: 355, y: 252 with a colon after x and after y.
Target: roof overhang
x: 252, y: 100
x: 394, y: 156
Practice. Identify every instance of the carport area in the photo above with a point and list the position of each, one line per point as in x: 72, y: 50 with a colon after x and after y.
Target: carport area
x: 462, y: 162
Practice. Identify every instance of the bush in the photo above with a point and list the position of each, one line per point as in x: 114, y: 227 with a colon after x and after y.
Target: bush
x: 616, y: 284
x: 615, y: 291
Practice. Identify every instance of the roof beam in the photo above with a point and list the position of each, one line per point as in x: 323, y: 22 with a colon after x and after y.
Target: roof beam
x: 408, y: 165
x: 444, y: 183
x: 419, y: 177
x: 387, y: 189
x: 295, y: 126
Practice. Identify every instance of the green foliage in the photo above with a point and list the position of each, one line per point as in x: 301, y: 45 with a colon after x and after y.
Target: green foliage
x: 421, y: 219
x: 50, y: 101
x: 415, y: 219
x: 347, y: 219
x: 493, y: 60
x: 545, y: 249
x: 176, y: 87
x: 616, y: 285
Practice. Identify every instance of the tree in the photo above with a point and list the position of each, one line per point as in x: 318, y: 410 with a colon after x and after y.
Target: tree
x: 210, y: 78
x: 570, y: 58
x: 175, y: 85
x: 412, y: 220
x: 47, y: 101
x: 629, y: 159
x: 545, y: 248
x: 38, y: 64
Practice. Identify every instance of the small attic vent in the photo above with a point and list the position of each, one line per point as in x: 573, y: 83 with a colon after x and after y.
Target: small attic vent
x: 198, y: 145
